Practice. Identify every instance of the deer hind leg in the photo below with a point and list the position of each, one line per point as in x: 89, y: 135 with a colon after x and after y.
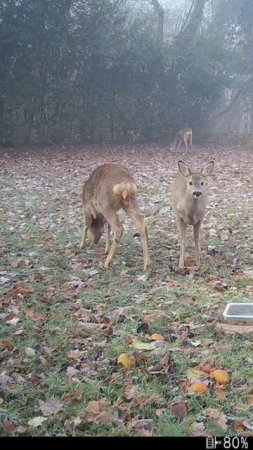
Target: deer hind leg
x: 134, y: 213
x: 196, y: 236
x: 107, y: 237
x: 182, y: 232
x: 117, y: 229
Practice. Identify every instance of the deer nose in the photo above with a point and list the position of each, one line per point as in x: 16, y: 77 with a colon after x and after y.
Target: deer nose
x: 197, y: 193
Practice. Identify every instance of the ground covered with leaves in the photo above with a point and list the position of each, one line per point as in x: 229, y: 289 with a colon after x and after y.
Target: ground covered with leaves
x: 121, y: 352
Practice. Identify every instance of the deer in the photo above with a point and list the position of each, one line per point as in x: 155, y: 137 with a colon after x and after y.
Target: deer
x: 183, y: 136
x: 108, y: 189
x: 190, y: 198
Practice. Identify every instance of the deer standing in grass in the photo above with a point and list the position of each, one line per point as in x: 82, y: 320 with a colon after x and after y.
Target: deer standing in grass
x: 183, y: 136
x: 190, y: 198
x: 108, y: 189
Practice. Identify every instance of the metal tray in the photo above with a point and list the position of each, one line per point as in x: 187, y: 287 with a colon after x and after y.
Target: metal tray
x: 238, y: 311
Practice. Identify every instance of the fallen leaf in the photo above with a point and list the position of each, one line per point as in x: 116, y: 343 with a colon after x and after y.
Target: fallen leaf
x: 127, y: 361
x: 239, y: 426
x: 70, y: 425
x: 130, y: 392
x: 248, y: 425
x: 142, y: 278
x: 50, y: 407
x: 6, y: 382
x: 7, y: 344
x: 73, y: 355
x: 36, y: 421
x: 139, y: 345
x: 91, y: 327
x: 146, y: 424
x: 220, y: 392
x: 9, y: 427
x: 219, y: 286
x: 207, y: 367
x: 248, y: 273
x: 94, y: 407
x: 179, y: 410
x: 4, y: 280
x: 211, y: 412
x: 157, y: 337
x: 142, y: 432
x: 198, y: 388
x: 250, y: 401
x: 18, y: 263
x: 195, y: 374
x: 103, y: 418
x: 72, y: 371
x: 198, y: 429
x: 222, y: 421
x: 120, y: 313
x: 19, y: 332
x: 30, y: 351
x: 13, y: 321
x: 165, y: 360
x: 73, y: 396
x: 159, y: 412
x: 43, y: 360
x: 220, y: 376
x: 21, y: 289
x: 149, y: 318
x: 140, y: 357
x: 30, y: 313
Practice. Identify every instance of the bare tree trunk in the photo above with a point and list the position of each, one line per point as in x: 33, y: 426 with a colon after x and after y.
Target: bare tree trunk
x: 194, y: 18
x: 160, y: 19
x: 251, y: 109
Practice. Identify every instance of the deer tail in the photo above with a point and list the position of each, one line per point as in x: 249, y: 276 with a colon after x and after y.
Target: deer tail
x: 125, y: 190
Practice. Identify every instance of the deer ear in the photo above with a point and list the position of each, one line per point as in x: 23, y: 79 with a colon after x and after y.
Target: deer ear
x: 184, y: 169
x: 208, y: 168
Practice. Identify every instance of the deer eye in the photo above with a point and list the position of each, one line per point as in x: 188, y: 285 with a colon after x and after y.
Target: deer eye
x: 202, y: 182
x: 190, y: 183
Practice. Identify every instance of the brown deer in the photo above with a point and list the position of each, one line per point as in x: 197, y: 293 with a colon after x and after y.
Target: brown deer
x: 183, y: 136
x: 108, y: 189
x: 190, y: 198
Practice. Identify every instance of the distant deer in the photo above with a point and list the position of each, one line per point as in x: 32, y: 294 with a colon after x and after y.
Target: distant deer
x: 183, y: 136
x: 190, y: 198
x: 108, y: 189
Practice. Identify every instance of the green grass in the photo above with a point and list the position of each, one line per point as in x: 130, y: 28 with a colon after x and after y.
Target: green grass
x: 42, y: 224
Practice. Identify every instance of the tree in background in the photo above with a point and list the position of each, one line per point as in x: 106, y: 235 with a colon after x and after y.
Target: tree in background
x: 94, y: 71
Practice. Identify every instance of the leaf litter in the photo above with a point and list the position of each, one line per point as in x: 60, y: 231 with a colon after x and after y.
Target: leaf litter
x: 65, y: 322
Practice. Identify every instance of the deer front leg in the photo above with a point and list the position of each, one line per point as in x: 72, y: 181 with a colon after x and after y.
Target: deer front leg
x: 87, y: 219
x: 182, y: 232
x: 84, y: 235
x: 186, y: 145
x: 107, y: 237
x: 196, y: 236
x: 191, y: 140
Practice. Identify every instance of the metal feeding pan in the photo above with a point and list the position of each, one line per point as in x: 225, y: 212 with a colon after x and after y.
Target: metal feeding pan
x: 238, y: 312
